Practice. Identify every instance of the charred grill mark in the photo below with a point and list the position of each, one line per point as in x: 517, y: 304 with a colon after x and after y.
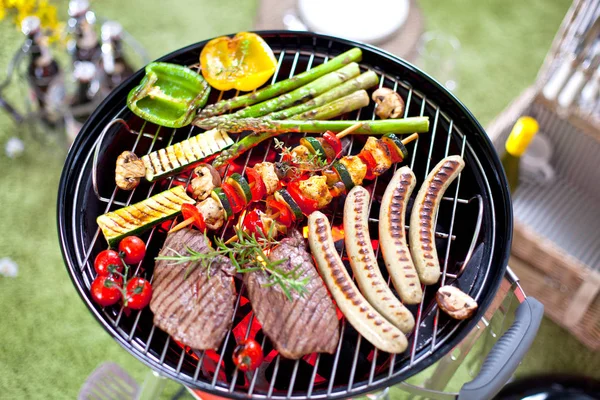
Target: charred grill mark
x: 396, y: 209
x: 165, y: 159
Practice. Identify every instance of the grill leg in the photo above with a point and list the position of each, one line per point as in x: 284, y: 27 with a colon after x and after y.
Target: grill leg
x: 447, y: 366
x: 152, y: 387
x: 492, y: 324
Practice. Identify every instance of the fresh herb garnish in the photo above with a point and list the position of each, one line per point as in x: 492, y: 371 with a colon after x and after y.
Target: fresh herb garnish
x: 247, y: 254
x: 296, y: 168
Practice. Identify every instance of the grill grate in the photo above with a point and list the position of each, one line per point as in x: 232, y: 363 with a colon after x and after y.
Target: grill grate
x: 356, y: 366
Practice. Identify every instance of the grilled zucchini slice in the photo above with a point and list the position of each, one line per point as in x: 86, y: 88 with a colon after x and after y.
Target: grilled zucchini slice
x: 314, y: 146
x: 175, y: 158
x: 220, y: 197
x: 240, y: 184
x: 344, y: 175
x: 139, y: 217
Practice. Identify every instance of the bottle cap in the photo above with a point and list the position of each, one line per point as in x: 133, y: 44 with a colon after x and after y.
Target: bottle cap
x: 111, y: 30
x: 78, y: 7
x: 84, y: 71
x: 521, y: 135
x: 30, y: 25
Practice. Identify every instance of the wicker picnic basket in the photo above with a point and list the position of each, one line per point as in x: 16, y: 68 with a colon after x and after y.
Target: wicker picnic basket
x: 556, y: 245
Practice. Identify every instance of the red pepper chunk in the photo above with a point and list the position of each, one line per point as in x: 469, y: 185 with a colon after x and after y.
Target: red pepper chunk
x: 257, y: 186
x: 334, y: 142
x: 190, y: 211
x: 306, y: 204
x: 236, y: 201
x: 285, y: 215
x: 252, y: 222
x: 369, y: 161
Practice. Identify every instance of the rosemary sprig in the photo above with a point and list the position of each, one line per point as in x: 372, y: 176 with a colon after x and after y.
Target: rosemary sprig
x: 248, y: 254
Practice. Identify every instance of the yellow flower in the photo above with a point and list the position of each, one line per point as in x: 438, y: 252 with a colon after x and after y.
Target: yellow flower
x: 21, y: 9
x: 47, y: 14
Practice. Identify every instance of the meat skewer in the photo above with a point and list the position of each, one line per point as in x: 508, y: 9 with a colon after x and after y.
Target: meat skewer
x: 304, y: 196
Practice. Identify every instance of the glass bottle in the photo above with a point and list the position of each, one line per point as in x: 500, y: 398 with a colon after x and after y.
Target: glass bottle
x: 83, y: 102
x: 43, y: 73
x: 85, y: 45
x: 519, y: 139
x: 115, y: 66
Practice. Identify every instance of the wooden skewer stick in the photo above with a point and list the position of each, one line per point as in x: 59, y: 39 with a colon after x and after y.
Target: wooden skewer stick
x: 354, y: 127
x: 182, y: 225
x: 349, y: 130
x: 410, y: 138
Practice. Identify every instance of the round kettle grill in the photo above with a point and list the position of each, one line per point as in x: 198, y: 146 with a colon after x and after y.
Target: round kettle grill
x: 473, y: 237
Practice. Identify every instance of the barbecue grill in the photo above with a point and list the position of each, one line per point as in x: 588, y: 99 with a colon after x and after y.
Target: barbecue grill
x: 473, y: 237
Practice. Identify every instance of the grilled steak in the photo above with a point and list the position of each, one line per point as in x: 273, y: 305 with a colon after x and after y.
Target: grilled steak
x: 304, y: 325
x: 194, y: 308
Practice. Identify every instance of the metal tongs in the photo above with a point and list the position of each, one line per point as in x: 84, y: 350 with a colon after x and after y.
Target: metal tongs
x: 581, y: 75
x: 575, y: 54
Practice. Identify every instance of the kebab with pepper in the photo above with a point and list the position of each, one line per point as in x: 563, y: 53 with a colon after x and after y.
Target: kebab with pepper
x: 289, y: 193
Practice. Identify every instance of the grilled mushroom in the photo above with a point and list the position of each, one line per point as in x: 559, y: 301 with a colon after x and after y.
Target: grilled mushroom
x: 129, y: 171
x: 455, y: 302
x: 207, y: 178
x: 213, y: 213
x: 389, y: 103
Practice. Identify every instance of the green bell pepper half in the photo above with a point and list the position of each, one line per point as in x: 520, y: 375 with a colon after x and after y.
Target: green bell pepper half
x: 169, y: 95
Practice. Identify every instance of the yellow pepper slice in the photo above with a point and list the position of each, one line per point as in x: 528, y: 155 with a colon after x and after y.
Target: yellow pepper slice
x: 243, y: 63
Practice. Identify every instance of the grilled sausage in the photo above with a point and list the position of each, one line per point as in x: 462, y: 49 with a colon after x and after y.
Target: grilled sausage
x: 392, y: 236
x: 363, y: 317
x: 424, y: 215
x: 364, y: 263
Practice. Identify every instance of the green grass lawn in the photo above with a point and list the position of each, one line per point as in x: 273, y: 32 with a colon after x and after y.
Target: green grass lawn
x: 49, y: 342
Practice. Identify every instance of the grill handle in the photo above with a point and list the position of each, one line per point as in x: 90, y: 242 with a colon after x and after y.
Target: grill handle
x: 507, y: 353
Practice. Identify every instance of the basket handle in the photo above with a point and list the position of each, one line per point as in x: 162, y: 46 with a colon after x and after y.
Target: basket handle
x: 507, y: 353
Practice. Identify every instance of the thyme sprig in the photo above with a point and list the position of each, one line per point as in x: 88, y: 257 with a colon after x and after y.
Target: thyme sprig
x: 311, y: 163
x: 247, y: 254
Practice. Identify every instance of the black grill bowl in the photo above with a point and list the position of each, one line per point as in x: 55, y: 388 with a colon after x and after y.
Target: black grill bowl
x: 479, y: 197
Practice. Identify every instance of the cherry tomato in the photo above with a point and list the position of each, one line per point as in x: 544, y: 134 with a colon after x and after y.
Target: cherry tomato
x: 285, y: 215
x: 334, y: 142
x: 257, y: 186
x: 252, y: 222
x: 106, y: 290
x: 236, y: 201
x: 247, y: 355
x: 306, y: 204
x: 139, y: 293
x: 133, y: 249
x: 105, y: 259
x: 190, y: 211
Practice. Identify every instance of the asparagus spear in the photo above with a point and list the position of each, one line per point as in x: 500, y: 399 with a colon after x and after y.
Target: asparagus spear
x: 299, y: 95
x: 363, y: 81
x: 348, y: 103
x: 278, y: 88
x: 265, y: 129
